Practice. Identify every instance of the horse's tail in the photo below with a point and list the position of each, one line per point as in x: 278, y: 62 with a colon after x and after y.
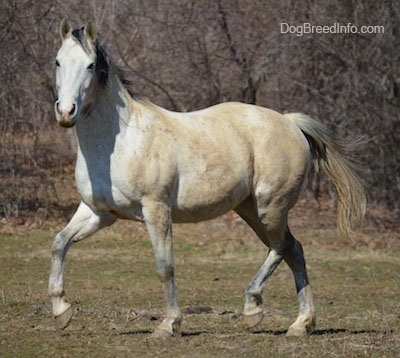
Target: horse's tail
x: 334, y: 156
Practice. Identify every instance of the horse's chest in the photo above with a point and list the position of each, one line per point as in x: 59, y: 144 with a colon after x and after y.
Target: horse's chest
x: 103, y: 190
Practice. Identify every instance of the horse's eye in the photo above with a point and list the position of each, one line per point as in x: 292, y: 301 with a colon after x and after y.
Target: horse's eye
x: 91, y: 66
x: 57, y: 63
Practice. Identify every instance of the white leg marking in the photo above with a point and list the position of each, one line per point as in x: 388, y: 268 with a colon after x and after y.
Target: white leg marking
x: 306, y: 319
x: 84, y: 223
x: 253, y: 305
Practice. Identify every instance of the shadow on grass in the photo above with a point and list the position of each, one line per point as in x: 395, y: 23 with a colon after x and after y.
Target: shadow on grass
x: 320, y: 332
x: 149, y: 331
x: 136, y: 332
x: 317, y: 332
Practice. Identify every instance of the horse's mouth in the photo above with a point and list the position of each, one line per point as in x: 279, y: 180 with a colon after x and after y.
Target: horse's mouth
x: 66, y: 121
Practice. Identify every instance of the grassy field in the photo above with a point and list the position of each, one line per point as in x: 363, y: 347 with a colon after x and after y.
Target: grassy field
x: 111, y: 280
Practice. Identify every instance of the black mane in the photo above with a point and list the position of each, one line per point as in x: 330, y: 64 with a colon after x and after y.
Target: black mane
x: 103, y: 62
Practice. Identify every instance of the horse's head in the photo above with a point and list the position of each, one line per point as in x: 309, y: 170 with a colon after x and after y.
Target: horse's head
x: 81, y: 66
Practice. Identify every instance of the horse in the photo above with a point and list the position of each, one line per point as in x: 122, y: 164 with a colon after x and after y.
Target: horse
x: 139, y: 161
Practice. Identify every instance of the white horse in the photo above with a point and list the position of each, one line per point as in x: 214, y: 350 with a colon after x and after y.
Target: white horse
x: 141, y: 162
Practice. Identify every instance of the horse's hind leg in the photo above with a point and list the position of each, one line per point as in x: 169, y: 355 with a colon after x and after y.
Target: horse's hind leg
x: 253, y: 312
x: 84, y: 223
x: 272, y: 237
x: 276, y: 235
x: 305, y: 322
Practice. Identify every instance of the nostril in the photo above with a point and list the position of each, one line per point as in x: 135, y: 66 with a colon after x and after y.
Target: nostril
x: 72, y: 111
x: 57, y: 106
x: 65, y: 111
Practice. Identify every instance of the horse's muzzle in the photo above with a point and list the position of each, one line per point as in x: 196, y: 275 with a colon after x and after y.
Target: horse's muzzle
x: 66, y: 121
x: 66, y: 118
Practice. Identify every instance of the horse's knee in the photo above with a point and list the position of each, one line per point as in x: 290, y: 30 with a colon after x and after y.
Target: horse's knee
x: 59, y: 245
x: 165, y: 274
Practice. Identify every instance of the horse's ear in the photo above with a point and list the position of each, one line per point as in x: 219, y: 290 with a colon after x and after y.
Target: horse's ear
x: 90, y: 31
x: 65, y: 29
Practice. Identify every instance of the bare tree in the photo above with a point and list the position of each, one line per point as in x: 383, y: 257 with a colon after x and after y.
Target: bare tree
x: 189, y: 54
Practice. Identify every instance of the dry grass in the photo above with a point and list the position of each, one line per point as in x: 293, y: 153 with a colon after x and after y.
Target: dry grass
x: 118, y: 299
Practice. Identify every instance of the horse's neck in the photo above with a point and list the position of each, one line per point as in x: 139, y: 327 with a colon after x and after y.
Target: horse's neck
x: 108, y: 116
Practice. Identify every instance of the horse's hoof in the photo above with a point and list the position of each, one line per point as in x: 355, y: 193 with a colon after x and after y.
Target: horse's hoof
x: 253, y: 320
x: 301, y: 327
x: 160, y: 334
x: 296, y: 332
x: 64, y: 318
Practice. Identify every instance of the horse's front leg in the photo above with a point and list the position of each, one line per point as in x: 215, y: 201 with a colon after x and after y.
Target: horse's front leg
x: 158, y: 221
x: 84, y: 223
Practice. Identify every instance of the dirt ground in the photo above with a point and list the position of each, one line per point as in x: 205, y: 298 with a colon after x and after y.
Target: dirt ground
x: 111, y: 280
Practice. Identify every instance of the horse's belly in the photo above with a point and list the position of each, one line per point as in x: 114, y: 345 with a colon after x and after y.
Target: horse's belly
x: 204, y: 200
x: 199, y: 212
